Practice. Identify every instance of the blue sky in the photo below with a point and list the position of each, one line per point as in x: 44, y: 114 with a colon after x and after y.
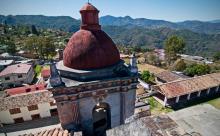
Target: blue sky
x: 171, y: 10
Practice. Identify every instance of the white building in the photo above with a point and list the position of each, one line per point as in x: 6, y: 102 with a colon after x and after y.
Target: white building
x: 26, y: 106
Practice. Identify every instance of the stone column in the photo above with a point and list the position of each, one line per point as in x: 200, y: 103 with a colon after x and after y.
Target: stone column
x: 177, y: 99
x: 216, y: 90
x: 68, y: 112
x: 188, y: 97
x: 122, y: 111
x: 208, y: 91
x: 198, y: 95
x: 165, y: 101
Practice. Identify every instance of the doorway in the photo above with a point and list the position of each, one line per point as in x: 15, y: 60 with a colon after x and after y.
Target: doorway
x: 101, y: 119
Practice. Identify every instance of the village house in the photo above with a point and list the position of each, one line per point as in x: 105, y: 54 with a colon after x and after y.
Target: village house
x: 162, y: 75
x: 16, y: 75
x: 184, y: 90
x: 26, y: 103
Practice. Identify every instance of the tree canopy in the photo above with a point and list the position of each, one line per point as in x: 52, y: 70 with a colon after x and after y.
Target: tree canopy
x: 173, y: 46
x: 197, y: 69
x: 41, y: 46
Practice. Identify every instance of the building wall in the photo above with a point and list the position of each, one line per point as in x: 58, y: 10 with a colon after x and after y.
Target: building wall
x: 43, y: 110
x: 86, y: 106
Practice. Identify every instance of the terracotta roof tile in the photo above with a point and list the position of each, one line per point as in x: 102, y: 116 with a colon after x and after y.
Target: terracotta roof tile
x: 189, y: 85
x: 25, y: 89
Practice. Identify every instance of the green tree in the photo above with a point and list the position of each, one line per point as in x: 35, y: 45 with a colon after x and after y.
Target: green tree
x: 32, y: 45
x: 43, y: 47
x: 152, y: 59
x: 179, y: 65
x: 146, y: 76
x: 10, y: 46
x: 48, y: 48
x: 173, y: 46
x: 216, y: 56
x: 197, y: 69
x: 34, y: 30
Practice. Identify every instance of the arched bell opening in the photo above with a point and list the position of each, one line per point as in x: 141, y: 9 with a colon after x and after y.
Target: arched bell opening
x: 101, y: 119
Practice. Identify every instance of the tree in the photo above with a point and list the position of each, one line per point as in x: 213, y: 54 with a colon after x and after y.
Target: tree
x: 11, y: 48
x: 173, y: 46
x: 42, y: 46
x: 48, y: 48
x: 216, y: 56
x: 34, y: 30
x: 152, y: 59
x: 146, y: 76
x: 197, y: 69
x: 179, y: 65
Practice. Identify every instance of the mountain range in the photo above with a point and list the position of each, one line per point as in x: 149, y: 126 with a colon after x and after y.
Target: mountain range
x: 202, y: 38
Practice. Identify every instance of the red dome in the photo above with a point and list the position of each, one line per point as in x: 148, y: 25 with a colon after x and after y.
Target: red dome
x: 90, y: 50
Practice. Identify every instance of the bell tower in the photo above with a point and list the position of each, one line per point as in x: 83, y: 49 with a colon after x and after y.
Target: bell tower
x: 94, y: 89
x: 90, y: 17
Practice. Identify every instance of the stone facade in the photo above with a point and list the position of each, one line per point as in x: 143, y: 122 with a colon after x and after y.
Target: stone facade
x: 75, y: 104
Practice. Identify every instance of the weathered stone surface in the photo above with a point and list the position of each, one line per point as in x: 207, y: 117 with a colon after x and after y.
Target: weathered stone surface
x: 24, y: 100
x: 148, y: 126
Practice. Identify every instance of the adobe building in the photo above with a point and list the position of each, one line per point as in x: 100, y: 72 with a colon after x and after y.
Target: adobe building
x: 184, y: 90
x: 93, y: 88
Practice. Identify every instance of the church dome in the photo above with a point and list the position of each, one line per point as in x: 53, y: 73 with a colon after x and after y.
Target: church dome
x: 90, y: 47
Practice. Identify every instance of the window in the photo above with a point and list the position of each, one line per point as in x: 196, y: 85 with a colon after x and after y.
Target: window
x: 15, y: 111
x: 28, y: 90
x: 18, y: 120
x: 32, y: 107
x: 53, y: 112
x: 52, y: 103
x: 19, y: 76
x: 7, y: 78
x: 35, y: 116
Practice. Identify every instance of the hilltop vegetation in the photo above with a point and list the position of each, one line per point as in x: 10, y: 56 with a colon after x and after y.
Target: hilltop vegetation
x: 202, y: 38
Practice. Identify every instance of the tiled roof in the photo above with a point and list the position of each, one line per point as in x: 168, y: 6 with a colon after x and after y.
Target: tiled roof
x: 51, y: 132
x: 168, y: 76
x: 55, y: 132
x: 18, y: 69
x: 25, y: 89
x: 163, y: 74
x: 188, y: 85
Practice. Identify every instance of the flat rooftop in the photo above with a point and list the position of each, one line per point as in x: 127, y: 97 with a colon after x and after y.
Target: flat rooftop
x: 204, y: 119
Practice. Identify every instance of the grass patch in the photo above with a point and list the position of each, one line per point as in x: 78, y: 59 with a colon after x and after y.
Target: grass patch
x: 156, y: 108
x: 215, y: 103
x: 37, y: 70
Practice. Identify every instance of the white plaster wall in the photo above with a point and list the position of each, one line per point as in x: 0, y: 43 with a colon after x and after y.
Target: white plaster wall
x: 130, y: 97
x: 25, y: 114
x: 44, y: 109
x: 86, y: 106
x: 5, y: 117
x: 114, y: 101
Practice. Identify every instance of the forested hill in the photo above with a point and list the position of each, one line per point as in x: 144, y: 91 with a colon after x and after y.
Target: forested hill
x: 202, y: 38
x: 67, y: 23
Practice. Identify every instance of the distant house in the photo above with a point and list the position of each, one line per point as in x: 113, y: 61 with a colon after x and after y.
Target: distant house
x: 16, y: 75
